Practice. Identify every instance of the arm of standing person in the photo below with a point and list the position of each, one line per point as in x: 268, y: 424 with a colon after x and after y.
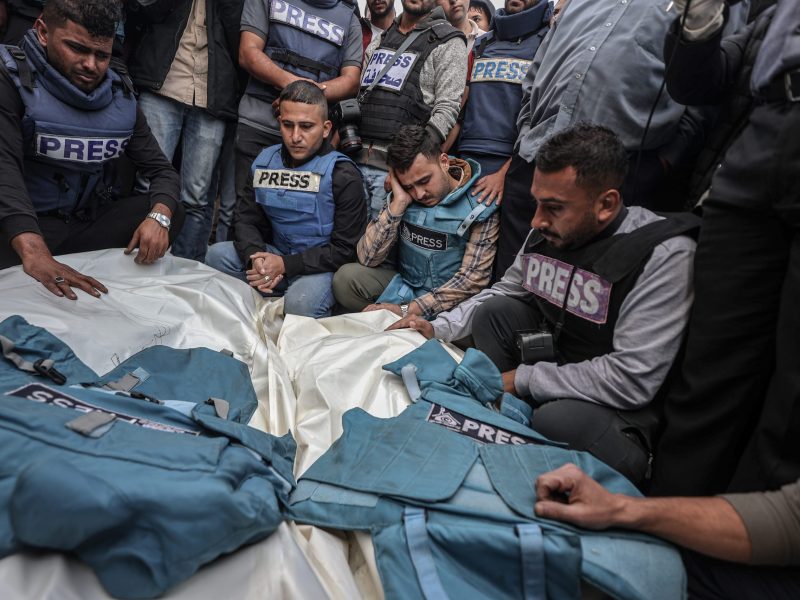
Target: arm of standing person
x: 442, y: 81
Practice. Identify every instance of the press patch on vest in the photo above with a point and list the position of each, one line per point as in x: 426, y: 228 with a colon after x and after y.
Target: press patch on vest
x: 37, y: 392
x: 277, y: 179
x: 289, y: 14
x: 78, y: 149
x: 427, y: 239
x: 500, y: 70
x: 397, y: 74
x: 546, y: 277
x: 477, y: 430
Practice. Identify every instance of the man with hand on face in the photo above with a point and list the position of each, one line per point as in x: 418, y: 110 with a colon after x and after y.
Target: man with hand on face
x: 304, y: 211
x: 481, y: 12
x: 610, y: 287
x: 444, y: 240
x: 64, y: 115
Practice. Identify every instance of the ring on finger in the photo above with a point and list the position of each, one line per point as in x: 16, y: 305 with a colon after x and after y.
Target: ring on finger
x: 267, y: 278
x: 59, y: 280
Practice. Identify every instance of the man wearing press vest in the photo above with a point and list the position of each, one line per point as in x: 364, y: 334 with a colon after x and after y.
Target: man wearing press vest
x: 64, y: 116
x: 303, y: 211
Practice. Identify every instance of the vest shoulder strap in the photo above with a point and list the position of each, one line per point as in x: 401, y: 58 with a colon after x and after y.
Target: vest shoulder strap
x: 625, y: 255
x: 481, y: 45
x: 24, y: 71
x: 288, y: 57
x: 121, y: 69
x: 444, y: 32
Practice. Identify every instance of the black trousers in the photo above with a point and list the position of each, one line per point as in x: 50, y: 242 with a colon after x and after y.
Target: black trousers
x: 733, y: 422
x: 112, y: 227
x: 249, y: 144
x: 609, y: 434
x: 712, y: 579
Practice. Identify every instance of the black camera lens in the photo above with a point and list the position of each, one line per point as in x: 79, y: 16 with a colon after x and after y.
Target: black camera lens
x: 349, y: 140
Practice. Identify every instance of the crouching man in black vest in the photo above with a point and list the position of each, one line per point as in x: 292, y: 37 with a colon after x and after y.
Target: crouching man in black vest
x: 602, y: 295
x: 64, y: 117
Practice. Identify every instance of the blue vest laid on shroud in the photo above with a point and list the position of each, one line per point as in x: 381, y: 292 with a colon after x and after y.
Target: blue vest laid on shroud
x: 502, y: 59
x: 447, y: 490
x: 432, y: 241
x: 306, y: 38
x: 145, y: 474
x: 68, y: 135
x: 297, y: 201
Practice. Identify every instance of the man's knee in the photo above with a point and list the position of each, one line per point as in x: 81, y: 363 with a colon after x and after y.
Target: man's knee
x: 356, y: 286
x: 223, y: 257
x: 309, y: 296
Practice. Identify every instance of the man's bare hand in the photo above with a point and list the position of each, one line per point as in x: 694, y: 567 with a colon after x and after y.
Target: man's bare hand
x: 569, y: 494
x: 57, y: 277
x: 266, y: 272
x: 395, y: 308
x: 401, y: 199
x: 151, y: 238
x: 415, y: 322
x: 490, y: 188
x: 508, y: 382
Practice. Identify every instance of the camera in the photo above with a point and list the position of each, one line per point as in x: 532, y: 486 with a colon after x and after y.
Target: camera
x: 346, y: 115
x: 535, y: 345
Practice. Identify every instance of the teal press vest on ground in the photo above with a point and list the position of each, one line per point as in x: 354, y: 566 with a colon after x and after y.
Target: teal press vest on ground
x: 145, y: 485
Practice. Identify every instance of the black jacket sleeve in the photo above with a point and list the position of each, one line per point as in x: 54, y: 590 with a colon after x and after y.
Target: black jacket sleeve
x: 16, y: 209
x: 146, y: 154
x: 251, y: 227
x: 704, y: 72
x: 349, y: 224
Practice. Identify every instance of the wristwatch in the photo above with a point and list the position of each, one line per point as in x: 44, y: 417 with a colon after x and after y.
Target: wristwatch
x: 404, y: 309
x: 161, y: 219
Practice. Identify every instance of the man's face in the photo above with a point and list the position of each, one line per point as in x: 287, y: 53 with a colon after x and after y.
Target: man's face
x: 427, y: 180
x: 455, y: 11
x: 567, y: 215
x: 478, y: 15
x: 417, y: 8
x: 379, y: 8
x: 77, y: 55
x: 303, y: 129
x: 516, y: 6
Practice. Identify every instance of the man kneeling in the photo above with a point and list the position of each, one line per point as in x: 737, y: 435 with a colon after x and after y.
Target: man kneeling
x: 603, y: 292
x: 307, y: 201
x: 444, y: 239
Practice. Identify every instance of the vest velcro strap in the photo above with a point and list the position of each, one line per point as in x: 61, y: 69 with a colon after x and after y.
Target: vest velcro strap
x: 421, y: 556
x: 409, y: 375
x: 221, y: 407
x: 92, y: 424
x: 534, y: 574
x: 295, y: 60
x: 43, y: 366
x: 23, y: 68
x: 470, y: 219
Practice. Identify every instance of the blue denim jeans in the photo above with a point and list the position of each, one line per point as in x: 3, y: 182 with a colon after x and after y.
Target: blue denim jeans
x: 373, y: 187
x: 305, y: 295
x: 202, y: 137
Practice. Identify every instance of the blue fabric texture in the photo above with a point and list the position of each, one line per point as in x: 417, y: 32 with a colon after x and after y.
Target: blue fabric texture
x: 149, y: 499
x: 471, y: 472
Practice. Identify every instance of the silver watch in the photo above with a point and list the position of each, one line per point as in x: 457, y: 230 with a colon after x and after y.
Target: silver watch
x: 161, y: 219
x: 404, y: 309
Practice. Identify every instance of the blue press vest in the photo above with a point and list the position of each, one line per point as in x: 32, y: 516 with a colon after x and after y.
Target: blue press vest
x: 502, y: 59
x: 447, y: 490
x: 297, y: 201
x: 68, y: 136
x: 432, y: 240
x: 307, y: 38
x: 149, y: 497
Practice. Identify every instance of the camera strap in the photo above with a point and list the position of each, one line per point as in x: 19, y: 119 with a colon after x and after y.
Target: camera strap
x: 390, y: 63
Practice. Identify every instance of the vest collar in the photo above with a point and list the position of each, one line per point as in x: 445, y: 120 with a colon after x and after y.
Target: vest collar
x: 611, y: 228
x: 530, y: 20
x: 58, y: 85
x: 470, y: 171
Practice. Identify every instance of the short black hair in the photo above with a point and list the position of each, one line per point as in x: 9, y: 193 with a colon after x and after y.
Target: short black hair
x: 407, y: 143
x: 305, y: 92
x: 98, y: 17
x: 595, y: 152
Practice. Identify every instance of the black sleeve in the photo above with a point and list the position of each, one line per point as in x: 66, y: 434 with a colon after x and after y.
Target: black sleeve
x: 146, y: 154
x: 349, y: 224
x: 703, y: 73
x: 251, y: 228
x: 16, y: 209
